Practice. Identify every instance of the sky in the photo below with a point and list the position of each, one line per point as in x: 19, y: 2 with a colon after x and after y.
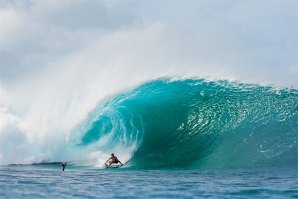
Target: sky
x: 249, y: 40
x: 59, y: 58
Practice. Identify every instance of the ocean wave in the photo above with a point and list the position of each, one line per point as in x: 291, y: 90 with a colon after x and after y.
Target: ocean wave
x: 194, y: 123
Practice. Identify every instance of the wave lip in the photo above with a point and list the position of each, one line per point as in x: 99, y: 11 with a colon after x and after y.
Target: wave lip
x: 194, y: 123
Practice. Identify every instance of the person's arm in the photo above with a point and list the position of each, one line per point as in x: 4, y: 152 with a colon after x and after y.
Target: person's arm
x: 107, y: 160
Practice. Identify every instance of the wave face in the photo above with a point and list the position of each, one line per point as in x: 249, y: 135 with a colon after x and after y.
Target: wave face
x: 194, y: 123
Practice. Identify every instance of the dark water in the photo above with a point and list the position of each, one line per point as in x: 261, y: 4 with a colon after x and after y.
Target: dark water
x: 48, y: 181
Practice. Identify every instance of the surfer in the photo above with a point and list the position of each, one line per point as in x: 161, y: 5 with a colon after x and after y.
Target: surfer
x: 63, y: 165
x: 113, y: 159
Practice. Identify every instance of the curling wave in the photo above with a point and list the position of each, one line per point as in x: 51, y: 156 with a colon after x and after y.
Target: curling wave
x: 194, y: 123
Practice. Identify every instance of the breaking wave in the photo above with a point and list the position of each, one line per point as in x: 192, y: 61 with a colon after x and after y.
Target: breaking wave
x: 195, y: 123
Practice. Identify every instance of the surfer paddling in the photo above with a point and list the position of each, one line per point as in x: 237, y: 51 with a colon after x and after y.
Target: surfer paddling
x: 113, y: 159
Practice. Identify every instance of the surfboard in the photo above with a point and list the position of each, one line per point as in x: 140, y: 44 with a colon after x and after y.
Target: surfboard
x: 113, y: 166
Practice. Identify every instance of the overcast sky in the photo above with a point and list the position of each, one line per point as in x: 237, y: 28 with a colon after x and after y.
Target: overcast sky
x: 255, y: 41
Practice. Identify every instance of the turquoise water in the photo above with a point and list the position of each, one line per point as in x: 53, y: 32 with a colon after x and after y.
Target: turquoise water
x: 188, y: 138
x: 195, y: 123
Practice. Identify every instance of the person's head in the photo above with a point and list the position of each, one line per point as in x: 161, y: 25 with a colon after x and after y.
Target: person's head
x: 112, y: 154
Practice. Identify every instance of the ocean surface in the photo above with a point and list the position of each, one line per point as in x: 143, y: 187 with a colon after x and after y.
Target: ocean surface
x: 179, y: 138
x: 48, y: 181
